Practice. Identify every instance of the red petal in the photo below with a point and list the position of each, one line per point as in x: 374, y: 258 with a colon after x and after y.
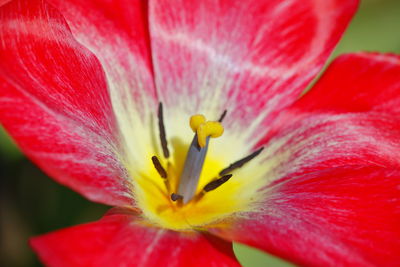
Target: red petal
x: 338, y: 217
x: 310, y: 142
x: 335, y: 196
x: 120, y: 240
x: 348, y: 118
x: 116, y: 32
x: 252, y: 58
x: 327, y: 205
x: 357, y: 82
x: 54, y: 102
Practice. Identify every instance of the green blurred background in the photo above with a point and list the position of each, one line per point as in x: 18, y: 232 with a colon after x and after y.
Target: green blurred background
x: 32, y: 204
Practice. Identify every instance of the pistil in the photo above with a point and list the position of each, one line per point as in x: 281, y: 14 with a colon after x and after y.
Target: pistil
x: 192, y: 169
x: 196, y: 155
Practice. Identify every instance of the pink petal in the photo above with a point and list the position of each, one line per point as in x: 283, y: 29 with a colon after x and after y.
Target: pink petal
x: 253, y: 58
x: 345, y: 216
x: 335, y: 178
x: 55, y: 104
x: 122, y: 240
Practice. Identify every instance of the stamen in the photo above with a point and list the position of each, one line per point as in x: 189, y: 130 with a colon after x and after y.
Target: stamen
x: 217, y: 183
x: 159, y: 167
x: 163, y: 137
x: 241, y: 162
x: 222, y: 116
x: 175, y: 197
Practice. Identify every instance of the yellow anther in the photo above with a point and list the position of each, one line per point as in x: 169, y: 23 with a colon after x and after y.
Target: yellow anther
x: 196, y: 121
x: 210, y: 128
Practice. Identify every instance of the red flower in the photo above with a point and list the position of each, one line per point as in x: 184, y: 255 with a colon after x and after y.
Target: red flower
x: 80, y: 85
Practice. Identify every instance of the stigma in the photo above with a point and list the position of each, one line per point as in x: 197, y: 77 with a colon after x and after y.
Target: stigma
x: 204, y: 129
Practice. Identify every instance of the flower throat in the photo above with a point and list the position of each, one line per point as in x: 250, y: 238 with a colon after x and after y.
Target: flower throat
x: 188, y: 181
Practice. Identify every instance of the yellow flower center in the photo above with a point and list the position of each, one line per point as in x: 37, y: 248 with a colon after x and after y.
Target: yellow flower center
x: 187, y: 189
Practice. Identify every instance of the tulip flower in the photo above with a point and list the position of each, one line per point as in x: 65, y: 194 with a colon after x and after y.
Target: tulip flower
x: 187, y: 117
